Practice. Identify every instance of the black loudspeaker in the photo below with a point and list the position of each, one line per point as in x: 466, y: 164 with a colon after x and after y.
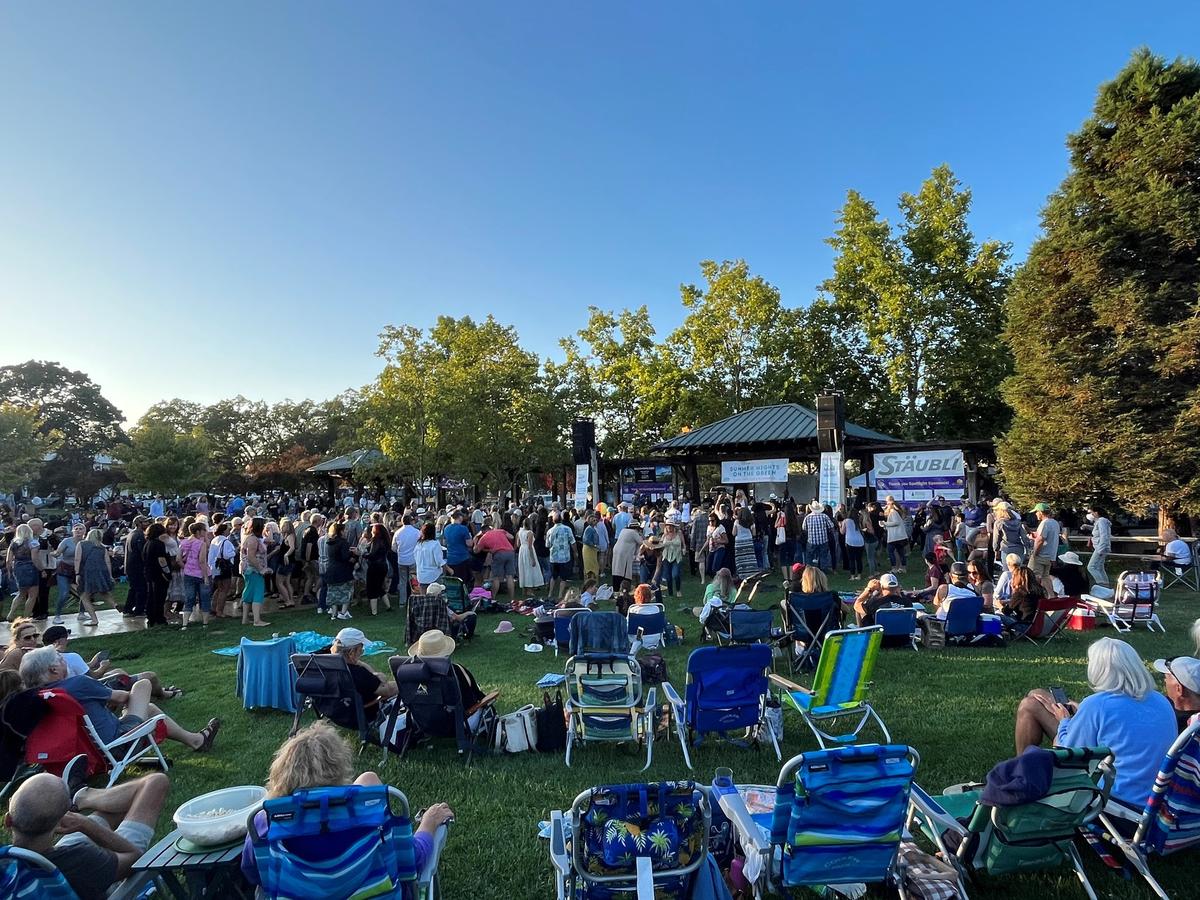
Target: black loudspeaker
x: 583, y: 439
x: 831, y: 422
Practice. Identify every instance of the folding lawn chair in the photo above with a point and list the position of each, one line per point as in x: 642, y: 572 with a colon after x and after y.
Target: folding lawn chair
x: 605, y: 702
x: 726, y: 690
x: 748, y: 626
x: 1032, y: 836
x: 599, y: 632
x: 456, y: 596
x: 647, y: 841
x: 647, y: 626
x: 67, y: 731
x: 1051, y: 618
x: 840, y: 685
x: 962, y: 619
x: 1135, y: 596
x: 899, y: 626
x: 324, y: 685
x: 20, y: 714
x: 838, y: 819
x: 562, y: 627
x: 25, y: 874
x: 1187, y: 575
x: 807, y: 618
x: 1170, y: 821
x: 342, y: 842
x: 431, y: 697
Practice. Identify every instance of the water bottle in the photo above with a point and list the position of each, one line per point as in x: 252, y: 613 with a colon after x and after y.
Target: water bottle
x: 721, y: 829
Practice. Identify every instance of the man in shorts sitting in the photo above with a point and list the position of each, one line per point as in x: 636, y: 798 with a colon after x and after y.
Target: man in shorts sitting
x: 93, y: 838
x: 44, y: 667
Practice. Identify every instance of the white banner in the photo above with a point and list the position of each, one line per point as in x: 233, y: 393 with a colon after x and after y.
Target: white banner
x: 749, y: 471
x: 581, y: 486
x: 831, y: 485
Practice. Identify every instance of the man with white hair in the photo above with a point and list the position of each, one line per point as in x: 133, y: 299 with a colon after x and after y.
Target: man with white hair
x: 95, y: 843
x: 45, y: 667
x: 350, y: 644
x: 622, y: 518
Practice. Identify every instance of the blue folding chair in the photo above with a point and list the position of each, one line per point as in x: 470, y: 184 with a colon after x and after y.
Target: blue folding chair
x: 807, y: 618
x: 962, y: 619
x: 899, y: 626
x: 631, y: 840
x: 747, y: 626
x: 341, y: 842
x: 840, y: 685
x: 838, y: 819
x: 647, y: 626
x: 25, y: 874
x: 726, y: 690
x: 562, y: 627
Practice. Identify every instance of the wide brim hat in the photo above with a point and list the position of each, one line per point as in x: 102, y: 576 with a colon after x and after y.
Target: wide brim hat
x: 432, y: 644
x: 1071, y: 558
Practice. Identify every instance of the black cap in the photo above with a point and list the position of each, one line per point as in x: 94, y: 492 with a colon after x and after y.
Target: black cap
x: 959, y: 568
x: 54, y: 633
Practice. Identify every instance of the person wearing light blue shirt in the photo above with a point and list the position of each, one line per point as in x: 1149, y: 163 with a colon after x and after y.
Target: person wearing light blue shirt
x: 621, y: 519
x: 1125, y: 714
x: 157, y: 507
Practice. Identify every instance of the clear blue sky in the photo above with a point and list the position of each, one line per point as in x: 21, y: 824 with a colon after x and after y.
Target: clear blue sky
x: 210, y: 198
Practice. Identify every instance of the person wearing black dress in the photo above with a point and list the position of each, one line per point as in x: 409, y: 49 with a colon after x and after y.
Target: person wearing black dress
x: 158, y: 574
x: 377, y: 567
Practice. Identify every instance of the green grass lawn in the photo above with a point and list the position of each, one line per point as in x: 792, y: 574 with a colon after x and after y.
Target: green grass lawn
x: 955, y: 706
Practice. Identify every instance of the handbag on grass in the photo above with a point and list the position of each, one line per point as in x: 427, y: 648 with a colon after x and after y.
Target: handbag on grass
x: 551, y: 724
x: 517, y: 731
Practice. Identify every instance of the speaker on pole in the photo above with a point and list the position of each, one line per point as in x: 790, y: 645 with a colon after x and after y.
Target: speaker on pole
x: 831, y: 422
x: 583, y: 440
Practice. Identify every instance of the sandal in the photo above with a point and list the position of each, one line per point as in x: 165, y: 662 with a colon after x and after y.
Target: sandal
x: 209, y: 733
x: 172, y: 692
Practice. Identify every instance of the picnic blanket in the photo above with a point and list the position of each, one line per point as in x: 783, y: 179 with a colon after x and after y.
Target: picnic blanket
x: 311, y: 642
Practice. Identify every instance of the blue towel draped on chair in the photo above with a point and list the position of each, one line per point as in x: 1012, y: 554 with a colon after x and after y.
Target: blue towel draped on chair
x: 264, y: 676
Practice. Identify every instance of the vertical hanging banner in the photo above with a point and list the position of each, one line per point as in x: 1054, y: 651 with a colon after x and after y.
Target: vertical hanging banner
x: 581, y: 486
x: 831, y: 486
x: 915, y: 476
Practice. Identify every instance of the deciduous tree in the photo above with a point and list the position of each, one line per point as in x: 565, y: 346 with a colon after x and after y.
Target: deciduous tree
x: 166, y: 461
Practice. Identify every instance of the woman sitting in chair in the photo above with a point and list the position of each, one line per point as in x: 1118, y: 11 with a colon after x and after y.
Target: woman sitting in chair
x: 1020, y: 609
x: 434, y: 644
x: 718, y: 597
x: 318, y: 757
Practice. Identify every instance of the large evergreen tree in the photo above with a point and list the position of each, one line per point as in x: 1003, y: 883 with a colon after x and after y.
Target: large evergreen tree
x: 1104, y: 317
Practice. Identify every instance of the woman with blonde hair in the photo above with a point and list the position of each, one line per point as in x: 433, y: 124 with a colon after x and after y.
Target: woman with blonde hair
x: 319, y: 757
x: 1009, y: 534
x: 813, y: 581
x: 285, y: 558
x: 897, y: 535
x: 23, y: 569
x: 93, y: 568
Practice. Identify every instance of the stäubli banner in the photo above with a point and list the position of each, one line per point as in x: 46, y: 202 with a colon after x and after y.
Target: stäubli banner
x: 916, y: 476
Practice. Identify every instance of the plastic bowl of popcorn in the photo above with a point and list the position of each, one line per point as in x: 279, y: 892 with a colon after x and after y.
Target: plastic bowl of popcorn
x: 218, y: 817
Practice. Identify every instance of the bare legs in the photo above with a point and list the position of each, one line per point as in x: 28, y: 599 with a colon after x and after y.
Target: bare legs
x: 1035, y: 722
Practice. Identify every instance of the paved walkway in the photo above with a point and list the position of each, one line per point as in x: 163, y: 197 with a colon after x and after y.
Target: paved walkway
x: 111, y: 622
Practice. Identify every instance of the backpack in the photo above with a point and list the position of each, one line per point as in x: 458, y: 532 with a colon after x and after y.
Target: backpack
x: 654, y: 669
x: 551, y: 724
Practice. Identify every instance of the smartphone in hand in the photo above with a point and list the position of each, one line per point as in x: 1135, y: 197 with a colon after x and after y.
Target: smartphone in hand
x: 1059, y: 695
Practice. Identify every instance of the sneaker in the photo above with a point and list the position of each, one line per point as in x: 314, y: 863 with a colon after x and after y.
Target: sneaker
x: 344, y: 615
x: 74, y: 774
x: 58, y: 620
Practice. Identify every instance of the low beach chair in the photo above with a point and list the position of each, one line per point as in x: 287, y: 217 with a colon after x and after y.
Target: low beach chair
x: 962, y: 619
x: 605, y: 703
x: 1170, y: 821
x: 430, y: 696
x: 838, y: 819
x: 323, y: 684
x: 647, y: 841
x: 341, y: 842
x: 1051, y: 618
x: 899, y: 626
x: 807, y: 618
x: 726, y: 691
x: 1135, y: 597
x: 562, y: 627
x: 647, y: 626
x: 25, y: 874
x: 840, y: 685
x: 1032, y: 836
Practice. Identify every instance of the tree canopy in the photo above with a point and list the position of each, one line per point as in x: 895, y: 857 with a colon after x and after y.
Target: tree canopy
x: 23, y: 446
x: 1104, y: 316
x: 167, y: 461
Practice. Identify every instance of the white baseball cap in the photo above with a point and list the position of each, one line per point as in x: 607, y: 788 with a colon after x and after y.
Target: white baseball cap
x: 1186, y: 670
x: 889, y: 580
x: 351, y: 637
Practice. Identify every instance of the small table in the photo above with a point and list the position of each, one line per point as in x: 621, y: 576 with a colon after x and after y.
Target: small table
x: 216, y: 873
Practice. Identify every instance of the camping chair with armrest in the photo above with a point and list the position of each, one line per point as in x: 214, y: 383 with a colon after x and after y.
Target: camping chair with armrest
x: 807, y: 618
x: 562, y: 627
x: 324, y: 685
x: 20, y: 714
x: 1185, y: 574
x: 647, y: 626
x: 899, y: 624
x: 456, y: 596
x: 67, y: 731
x: 838, y: 819
x: 25, y: 874
x: 840, y: 685
x: 631, y: 840
x: 599, y: 632
x: 748, y: 626
x: 341, y: 842
x: 727, y: 690
x: 962, y: 619
x: 1032, y: 836
x: 1135, y: 596
x: 1050, y: 620
x: 605, y: 703
x: 1170, y: 820
x: 431, y: 697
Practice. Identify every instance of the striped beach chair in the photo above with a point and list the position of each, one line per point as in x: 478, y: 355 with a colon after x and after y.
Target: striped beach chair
x: 838, y: 819
x: 840, y: 686
x: 25, y: 874
x: 342, y: 842
x: 1170, y: 821
x: 605, y: 702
